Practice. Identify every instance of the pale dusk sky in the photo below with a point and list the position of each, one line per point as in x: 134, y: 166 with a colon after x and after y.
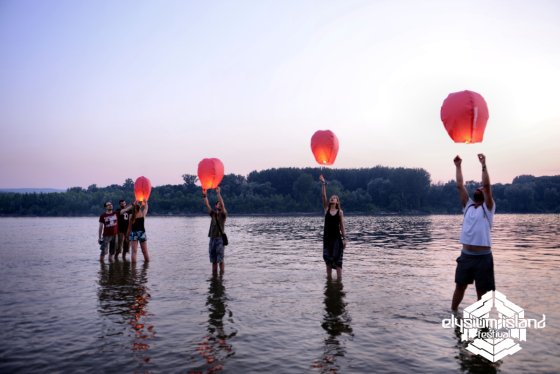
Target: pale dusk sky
x: 100, y: 91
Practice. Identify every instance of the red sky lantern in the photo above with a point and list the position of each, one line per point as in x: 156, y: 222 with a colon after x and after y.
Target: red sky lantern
x: 464, y: 115
x: 324, y: 145
x: 142, y: 189
x: 210, y: 173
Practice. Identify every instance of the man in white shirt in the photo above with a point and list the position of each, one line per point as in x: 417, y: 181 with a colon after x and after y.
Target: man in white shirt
x: 475, y: 263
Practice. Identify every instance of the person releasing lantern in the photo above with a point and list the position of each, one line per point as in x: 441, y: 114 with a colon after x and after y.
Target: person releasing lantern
x: 142, y: 189
x: 464, y: 115
x: 210, y: 173
x: 137, y: 231
x: 324, y: 145
x: 216, y: 233
x: 334, y: 234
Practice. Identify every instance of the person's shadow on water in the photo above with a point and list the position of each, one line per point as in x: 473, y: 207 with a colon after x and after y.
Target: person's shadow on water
x: 336, y: 322
x: 123, y: 293
x: 216, y: 345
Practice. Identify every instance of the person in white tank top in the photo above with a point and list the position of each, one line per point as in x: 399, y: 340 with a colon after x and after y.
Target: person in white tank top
x: 476, y: 263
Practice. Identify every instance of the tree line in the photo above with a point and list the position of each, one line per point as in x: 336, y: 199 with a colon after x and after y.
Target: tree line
x: 377, y: 190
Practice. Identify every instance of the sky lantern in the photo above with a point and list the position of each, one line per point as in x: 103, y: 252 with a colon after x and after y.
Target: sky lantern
x: 324, y: 145
x: 142, y: 189
x: 464, y: 115
x: 210, y: 173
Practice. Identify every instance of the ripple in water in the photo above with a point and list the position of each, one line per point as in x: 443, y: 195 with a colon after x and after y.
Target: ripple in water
x: 273, y: 310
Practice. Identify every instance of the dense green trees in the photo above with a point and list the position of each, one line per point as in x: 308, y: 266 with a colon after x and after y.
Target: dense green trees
x: 295, y: 190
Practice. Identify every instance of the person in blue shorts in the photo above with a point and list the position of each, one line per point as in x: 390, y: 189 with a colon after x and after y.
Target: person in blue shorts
x: 218, y: 217
x: 475, y: 264
x: 137, y: 230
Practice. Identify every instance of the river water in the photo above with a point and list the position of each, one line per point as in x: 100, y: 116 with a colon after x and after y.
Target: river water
x: 273, y: 310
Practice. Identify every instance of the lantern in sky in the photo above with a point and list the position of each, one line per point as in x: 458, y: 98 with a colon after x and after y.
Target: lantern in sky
x: 464, y: 115
x: 142, y: 189
x: 210, y: 173
x: 324, y: 145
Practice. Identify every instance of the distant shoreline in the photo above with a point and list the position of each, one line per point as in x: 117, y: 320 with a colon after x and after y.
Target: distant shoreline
x: 356, y: 214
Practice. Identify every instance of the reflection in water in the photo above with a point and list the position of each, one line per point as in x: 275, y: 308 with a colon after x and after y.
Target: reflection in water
x: 215, y: 347
x: 471, y: 363
x: 336, y: 321
x: 123, y: 293
x: 397, y: 293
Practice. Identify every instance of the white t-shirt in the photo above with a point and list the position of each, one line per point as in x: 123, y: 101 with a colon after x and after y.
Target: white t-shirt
x: 477, y: 223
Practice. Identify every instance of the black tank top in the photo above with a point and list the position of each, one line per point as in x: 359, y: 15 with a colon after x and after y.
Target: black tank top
x: 332, y: 226
x: 138, y: 225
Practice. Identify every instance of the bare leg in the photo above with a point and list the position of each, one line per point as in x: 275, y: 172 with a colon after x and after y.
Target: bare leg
x: 222, y: 267
x: 119, y: 244
x: 329, y: 271
x: 126, y: 247
x: 144, y: 246
x: 339, y: 273
x: 112, y: 248
x: 103, y: 251
x: 458, y: 296
x: 134, y: 245
x: 479, y: 294
x: 214, y: 267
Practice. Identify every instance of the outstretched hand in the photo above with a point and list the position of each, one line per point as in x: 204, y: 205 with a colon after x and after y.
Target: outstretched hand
x: 482, y: 159
x: 217, y: 189
x: 457, y: 160
x: 322, y: 179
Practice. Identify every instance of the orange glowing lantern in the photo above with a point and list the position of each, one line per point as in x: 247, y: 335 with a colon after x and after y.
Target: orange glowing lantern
x: 210, y: 173
x: 324, y: 145
x: 142, y: 189
x: 464, y: 115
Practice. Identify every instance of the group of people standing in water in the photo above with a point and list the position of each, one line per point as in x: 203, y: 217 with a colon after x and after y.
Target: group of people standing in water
x: 122, y: 229
x: 475, y: 264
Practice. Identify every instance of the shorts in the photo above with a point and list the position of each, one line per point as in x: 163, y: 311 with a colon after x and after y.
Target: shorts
x: 333, y: 252
x: 138, y: 235
x: 108, y: 241
x: 216, y: 250
x: 477, y: 268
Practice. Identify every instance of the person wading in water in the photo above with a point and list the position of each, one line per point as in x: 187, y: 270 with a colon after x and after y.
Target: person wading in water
x: 334, y: 237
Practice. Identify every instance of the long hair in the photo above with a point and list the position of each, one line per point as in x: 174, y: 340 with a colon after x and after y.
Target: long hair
x: 136, y: 210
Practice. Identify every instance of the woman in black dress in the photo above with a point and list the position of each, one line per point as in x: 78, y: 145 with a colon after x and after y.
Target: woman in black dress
x: 334, y: 237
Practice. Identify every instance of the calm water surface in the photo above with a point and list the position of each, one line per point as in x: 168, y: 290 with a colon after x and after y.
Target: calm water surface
x: 273, y: 310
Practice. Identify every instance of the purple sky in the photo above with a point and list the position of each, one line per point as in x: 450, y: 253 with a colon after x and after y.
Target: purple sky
x: 100, y: 91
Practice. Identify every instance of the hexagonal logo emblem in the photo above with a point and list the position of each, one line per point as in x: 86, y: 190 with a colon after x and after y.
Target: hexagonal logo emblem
x: 494, y: 326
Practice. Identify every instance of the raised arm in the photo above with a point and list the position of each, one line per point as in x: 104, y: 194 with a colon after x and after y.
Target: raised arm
x: 487, y: 187
x: 463, y: 195
x: 221, y: 200
x: 324, y: 192
x: 126, y: 209
x: 145, y: 208
x: 205, y: 199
